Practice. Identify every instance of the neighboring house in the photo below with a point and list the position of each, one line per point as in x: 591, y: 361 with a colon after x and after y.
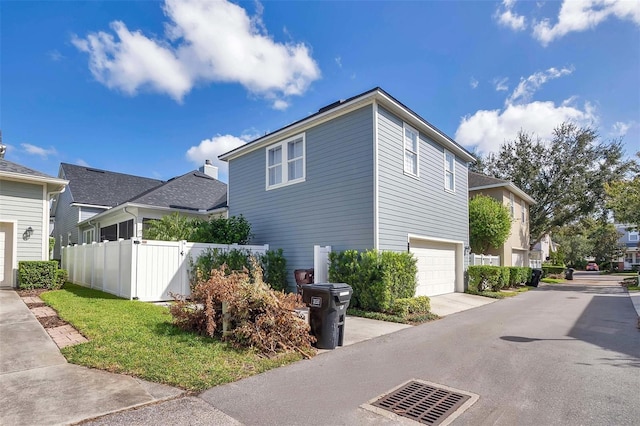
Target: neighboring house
x: 363, y: 173
x: 102, y: 205
x: 544, y: 247
x: 24, y: 216
x: 515, y: 251
x: 629, y: 239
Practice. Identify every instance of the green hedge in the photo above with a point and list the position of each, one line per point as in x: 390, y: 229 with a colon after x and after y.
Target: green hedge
x: 377, y: 278
x: 273, y: 263
x: 552, y: 270
x: 484, y: 277
x: 412, y: 305
x: 519, y: 275
x: 40, y: 274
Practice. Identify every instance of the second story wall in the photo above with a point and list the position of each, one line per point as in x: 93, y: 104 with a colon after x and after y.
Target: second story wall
x: 332, y: 206
x: 421, y: 204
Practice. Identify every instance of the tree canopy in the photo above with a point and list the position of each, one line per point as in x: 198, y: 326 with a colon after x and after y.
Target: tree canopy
x: 177, y: 227
x: 623, y: 198
x: 489, y: 223
x: 566, y: 175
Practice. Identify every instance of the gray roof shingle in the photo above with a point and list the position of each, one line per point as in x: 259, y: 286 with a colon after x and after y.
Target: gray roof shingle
x: 192, y: 191
x: 8, y: 166
x: 476, y: 180
x: 102, y: 187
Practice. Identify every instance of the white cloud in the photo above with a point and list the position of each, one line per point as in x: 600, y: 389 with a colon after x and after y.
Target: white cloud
x: 501, y: 84
x: 37, y: 150
x: 81, y: 162
x: 620, y: 129
x: 55, y: 55
x: 210, y: 149
x: 473, y: 83
x: 204, y: 42
x: 528, y: 86
x: 488, y: 129
x: 581, y: 15
x: 338, y: 60
x: 280, y: 104
x: 506, y: 17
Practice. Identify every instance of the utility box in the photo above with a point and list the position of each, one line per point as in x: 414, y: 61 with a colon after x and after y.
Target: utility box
x: 328, y: 303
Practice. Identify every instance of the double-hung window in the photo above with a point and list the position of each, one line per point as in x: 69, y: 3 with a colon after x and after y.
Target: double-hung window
x: 449, y: 171
x: 512, y: 207
x: 410, y: 151
x: 524, y: 211
x: 88, y: 236
x: 633, y: 236
x: 286, y: 162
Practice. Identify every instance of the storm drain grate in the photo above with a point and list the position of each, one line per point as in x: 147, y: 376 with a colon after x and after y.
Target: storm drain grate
x: 422, y: 402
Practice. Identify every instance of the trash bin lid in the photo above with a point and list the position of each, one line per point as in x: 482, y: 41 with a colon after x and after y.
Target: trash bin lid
x: 334, y: 288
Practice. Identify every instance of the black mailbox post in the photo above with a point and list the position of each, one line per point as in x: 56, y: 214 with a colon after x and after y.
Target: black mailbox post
x: 327, y: 304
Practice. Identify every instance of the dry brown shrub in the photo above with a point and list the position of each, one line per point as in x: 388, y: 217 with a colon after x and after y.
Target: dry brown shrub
x: 258, y: 316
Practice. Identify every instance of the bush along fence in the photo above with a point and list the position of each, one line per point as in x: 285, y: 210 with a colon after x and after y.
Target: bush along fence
x: 381, y: 281
x: 40, y: 274
x: 495, y: 278
x: 146, y: 270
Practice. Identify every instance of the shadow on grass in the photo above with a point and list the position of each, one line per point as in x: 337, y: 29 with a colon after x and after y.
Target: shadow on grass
x: 88, y: 293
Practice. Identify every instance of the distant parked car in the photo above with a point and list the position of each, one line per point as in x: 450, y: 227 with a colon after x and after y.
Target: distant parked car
x: 592, y: 266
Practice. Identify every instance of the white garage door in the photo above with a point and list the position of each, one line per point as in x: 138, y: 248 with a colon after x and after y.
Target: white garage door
x: 517, y: 258
x: 436, y: 267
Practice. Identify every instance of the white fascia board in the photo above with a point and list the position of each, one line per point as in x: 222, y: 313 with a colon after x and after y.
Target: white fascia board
x: 55, y: 182
x: 96, y: 206
x: 149, y: 207
x: 519, y: 192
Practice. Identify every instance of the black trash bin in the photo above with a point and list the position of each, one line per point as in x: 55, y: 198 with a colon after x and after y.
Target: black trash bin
x: 536, y: 274
x: 327, y: 304
x: 568, y: 274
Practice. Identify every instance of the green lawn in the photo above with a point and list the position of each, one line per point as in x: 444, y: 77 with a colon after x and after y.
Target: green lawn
x: 552, y: 280
x: 500, y: 294
x: 137, y: 338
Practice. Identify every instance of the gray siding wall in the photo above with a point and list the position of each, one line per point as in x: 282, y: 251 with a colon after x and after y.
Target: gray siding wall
x: 88, y: 212
x: 66, y: 220
x: 334, y: 206
x: 24, y: 202
x: 417, y: 206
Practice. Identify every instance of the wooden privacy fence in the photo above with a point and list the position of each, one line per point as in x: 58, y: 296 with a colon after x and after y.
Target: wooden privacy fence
x: 139, y: 269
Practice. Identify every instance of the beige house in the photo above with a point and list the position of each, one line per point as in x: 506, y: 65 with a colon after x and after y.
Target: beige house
x: 515, y: 251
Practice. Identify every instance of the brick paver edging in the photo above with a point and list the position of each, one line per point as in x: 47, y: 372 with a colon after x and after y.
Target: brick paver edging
x: 62, y: 336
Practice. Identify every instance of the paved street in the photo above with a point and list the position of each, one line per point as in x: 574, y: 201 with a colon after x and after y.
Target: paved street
x: 558, y: 355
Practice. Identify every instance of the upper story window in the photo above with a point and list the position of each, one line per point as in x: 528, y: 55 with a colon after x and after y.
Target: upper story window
x: 410, y: 150
x: 512, y: 204
x: 633, y: 235
x: 449, y: 171
x: 524, y: 211
x: 286, y: 162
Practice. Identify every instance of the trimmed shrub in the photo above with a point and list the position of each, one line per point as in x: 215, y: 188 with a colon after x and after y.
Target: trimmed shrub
x: 519, y: 275
x: 61, y: 277
x: 411, y: 305
x: 273, y: 263
x: 549, y: 270
x: 377, y: 278
x: 484, y: 277
x: 37, y: 274
x: 503, y: 282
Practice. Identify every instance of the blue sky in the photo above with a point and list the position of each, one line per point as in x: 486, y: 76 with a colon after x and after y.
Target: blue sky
x: 155, y: 88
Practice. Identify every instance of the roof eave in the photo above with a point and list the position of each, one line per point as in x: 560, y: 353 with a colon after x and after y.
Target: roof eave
x: 55, y: 182
x: 519, y: 192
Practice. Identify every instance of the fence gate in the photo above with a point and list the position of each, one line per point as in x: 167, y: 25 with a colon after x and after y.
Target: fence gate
x: 159, y: 270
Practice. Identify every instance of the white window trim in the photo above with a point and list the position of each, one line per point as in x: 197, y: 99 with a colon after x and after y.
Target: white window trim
x: 406, y: 127
x: 88, y: 234
x: 633, y: 234
x: 285, y: 162
x: 512, y: 207
x: 523, y: 214
x: 444, y: 171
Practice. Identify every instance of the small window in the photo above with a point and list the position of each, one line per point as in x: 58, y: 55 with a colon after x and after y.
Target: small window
x: 633, y: 236
x: 88, y: 236
x: 109, y: 233
x: 449, y: 171
x: 411, y: 145
x: 125, y: 229
x: 512, y: 207
x: 286, y: 162
x: 524, y: 211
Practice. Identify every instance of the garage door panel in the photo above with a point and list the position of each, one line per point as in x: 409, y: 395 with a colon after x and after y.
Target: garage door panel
x: 436, y: 263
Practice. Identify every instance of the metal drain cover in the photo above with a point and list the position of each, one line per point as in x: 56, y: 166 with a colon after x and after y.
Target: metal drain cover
x: 423, y: 402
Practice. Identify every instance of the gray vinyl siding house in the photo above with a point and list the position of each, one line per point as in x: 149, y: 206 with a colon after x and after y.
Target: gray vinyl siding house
x: 24, y: 217
x: 351, y: 189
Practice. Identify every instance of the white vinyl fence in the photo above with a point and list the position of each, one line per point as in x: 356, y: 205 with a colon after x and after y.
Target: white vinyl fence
x: 138, y: 269
x: 483, y: 259
x: 321, y: 264
x: 533, y: 263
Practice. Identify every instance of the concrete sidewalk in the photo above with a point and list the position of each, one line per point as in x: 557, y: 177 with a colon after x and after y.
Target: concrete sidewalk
x: 39, y: 387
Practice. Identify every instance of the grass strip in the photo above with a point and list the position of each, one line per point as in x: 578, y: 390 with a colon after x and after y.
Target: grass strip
x: 139, y: 339
x: 412, y: 319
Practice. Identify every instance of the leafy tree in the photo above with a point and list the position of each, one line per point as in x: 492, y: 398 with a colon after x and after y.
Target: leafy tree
x: 606, y: 247
x: 576, y: 242
x: 173, y: 227
x: 623, y: 197
x: 489, y: 223
x: 565, y: 175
